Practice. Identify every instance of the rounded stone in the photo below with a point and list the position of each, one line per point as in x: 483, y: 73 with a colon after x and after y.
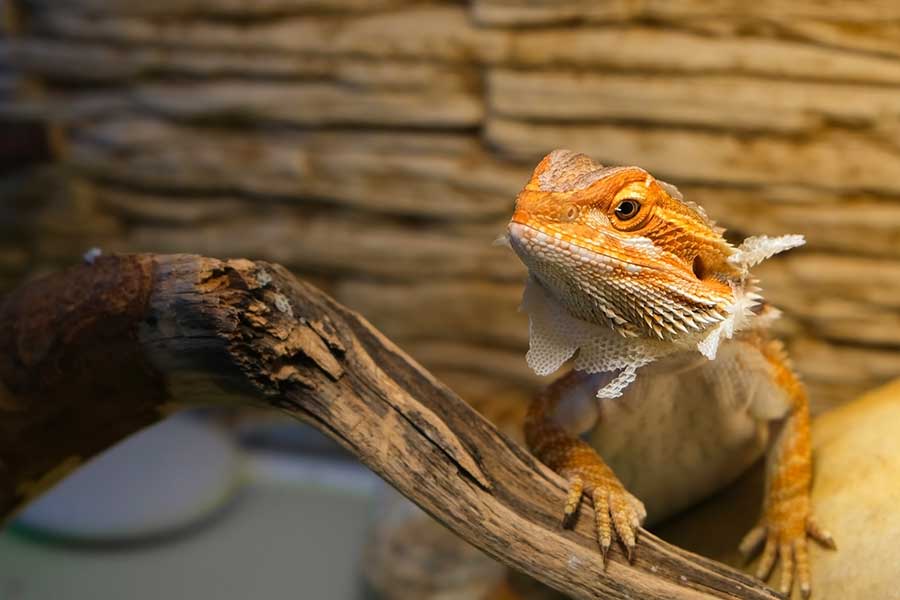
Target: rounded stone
x: 855, y: 495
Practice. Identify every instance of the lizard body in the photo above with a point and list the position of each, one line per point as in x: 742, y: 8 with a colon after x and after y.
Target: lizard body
x: 682, y: 430
x: 666, y: 327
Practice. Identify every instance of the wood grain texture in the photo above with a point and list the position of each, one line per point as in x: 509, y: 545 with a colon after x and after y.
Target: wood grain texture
x: 189, y: 329
x: 66, y: 344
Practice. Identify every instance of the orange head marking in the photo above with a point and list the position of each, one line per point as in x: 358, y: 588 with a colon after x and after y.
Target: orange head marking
x: 615, y: 245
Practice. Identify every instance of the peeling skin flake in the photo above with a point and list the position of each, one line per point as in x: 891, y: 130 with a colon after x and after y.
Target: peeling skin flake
x: 555, y: 336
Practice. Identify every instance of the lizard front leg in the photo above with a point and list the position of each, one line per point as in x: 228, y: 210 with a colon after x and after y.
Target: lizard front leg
x: 787, y: 520
x: 584, y: 470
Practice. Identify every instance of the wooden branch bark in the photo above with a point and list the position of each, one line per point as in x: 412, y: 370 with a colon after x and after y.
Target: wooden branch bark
x: 93, y: 354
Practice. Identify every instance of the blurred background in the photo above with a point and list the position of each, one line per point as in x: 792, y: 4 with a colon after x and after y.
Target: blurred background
x: 375, y: 147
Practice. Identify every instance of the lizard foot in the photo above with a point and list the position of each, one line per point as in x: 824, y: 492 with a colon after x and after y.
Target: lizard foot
x: 614, y: 507
x: 785, y: 529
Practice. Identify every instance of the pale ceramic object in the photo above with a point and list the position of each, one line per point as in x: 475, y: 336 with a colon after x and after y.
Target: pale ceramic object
x: 161, y: 479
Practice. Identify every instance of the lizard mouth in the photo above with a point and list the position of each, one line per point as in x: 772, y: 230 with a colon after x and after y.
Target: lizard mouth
x: 603, y: 288
x: 529, y: 242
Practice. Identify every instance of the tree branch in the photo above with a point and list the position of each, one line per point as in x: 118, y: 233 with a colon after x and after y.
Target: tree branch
x: 93, y: 354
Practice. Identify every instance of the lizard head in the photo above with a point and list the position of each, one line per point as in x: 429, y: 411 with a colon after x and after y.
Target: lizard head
x: 616, y: 246
x: 624, y: 271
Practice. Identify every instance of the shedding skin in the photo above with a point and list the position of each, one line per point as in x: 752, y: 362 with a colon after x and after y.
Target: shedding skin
x: 618, y: 248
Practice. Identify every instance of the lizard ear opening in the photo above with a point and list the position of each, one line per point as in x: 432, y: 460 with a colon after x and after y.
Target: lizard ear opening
x: 698, y: 267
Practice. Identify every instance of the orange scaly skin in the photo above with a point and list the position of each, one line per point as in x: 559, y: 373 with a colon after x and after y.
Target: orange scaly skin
x: 583, y: 468
x: 617, y: 248
x: 786, y: 519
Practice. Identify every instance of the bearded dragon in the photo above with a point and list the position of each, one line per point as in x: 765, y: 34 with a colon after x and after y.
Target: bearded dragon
x: 674, y: 373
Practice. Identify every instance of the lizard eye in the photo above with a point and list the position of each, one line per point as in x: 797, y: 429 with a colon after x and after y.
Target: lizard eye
x: 571, y: 213
x: 628, y: 209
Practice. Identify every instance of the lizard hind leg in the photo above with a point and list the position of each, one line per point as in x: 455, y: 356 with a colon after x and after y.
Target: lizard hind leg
x: 787, y: 521
x: 617, y: 511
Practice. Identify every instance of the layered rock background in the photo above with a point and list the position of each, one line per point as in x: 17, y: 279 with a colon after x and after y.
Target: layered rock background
x: 376, y: 147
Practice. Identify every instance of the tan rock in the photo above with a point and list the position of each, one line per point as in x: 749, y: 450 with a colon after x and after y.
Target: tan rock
x: 847, y: 223
x: 311, y: 104
x: 836, y: 373
x: 175, y: 211
x: 724, y: 101
x: 504, y: 367
x: 442, y: 176
x: 882, y: 37
x: 232, y: 8
x: 474, y: 311
x: 838, y: 159
x: 533, y: 12
x: 426, y: 31
x: 846, y: 298
x: 855, y: 494
x: 632, y: 47
x: 323, y: 243
x: 446, y: 33
x: 873, y: 37
x: 60, y: 59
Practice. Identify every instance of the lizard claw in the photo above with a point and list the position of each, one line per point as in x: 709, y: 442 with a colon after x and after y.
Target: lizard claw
x: 617, y: 512
x: 576, y: 489
x: 816, y: 532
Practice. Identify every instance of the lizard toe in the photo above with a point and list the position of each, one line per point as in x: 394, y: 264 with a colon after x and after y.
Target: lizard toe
x: 573, y: 500
x: 786, y: 533
x: 619, y: 511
